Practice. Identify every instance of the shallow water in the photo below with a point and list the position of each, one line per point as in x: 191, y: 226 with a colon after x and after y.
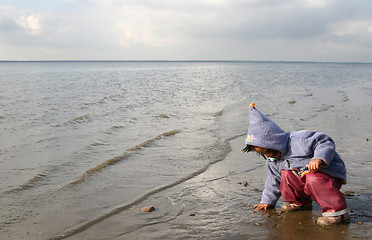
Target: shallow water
x: 82, y: 143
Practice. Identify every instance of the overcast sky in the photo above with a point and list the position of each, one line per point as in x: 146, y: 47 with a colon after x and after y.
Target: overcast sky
x: 276, y: 30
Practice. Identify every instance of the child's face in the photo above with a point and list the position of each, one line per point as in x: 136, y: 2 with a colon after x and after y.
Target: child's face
x: 271, y: 154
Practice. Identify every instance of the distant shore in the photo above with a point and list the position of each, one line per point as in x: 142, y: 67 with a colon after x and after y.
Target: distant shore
x: 187, y: 61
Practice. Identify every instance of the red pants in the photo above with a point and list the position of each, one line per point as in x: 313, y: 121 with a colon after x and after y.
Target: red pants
x: 324, y: 189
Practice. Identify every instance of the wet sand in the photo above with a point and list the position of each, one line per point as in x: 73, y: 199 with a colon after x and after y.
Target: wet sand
x: 218, y: 204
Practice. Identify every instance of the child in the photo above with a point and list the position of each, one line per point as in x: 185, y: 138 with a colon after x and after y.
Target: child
x: 302, y: 165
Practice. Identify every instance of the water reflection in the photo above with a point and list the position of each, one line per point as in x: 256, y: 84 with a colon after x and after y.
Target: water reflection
x: 302, y: 225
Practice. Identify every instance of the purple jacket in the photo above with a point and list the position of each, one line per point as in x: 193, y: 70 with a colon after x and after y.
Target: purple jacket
x: 297, y: 149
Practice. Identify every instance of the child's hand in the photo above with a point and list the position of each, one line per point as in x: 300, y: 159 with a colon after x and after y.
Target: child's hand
x: 315, y: 164
x: 262, y: 206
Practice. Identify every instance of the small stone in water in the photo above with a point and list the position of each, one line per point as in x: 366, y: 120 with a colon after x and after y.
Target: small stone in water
x: 147, y: 209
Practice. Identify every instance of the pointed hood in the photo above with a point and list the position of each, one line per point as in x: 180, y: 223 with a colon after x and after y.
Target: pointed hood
x: 265, y: 133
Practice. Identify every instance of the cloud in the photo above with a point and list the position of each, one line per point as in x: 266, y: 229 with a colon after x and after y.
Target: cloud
x: 195, y: 29
x: 358, y: 33
x: 316, y: 3
x: 30, y: 23
x: 12, y: 20
x: 7, y: 23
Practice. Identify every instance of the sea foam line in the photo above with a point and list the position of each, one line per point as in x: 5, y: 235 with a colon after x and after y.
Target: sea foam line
x: 121, y: 157
x: 31, y: 183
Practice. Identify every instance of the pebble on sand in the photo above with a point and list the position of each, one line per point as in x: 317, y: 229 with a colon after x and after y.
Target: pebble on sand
x: 147, y: 209
x: 245, y: 183
x: 163, y: 116
x: 349, y: 193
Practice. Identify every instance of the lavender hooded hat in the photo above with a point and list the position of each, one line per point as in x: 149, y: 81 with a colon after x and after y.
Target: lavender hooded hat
x: 265, y: 133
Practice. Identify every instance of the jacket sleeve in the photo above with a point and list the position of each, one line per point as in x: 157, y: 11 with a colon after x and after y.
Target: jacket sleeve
x: 321, y: 145
x: 271, y: 192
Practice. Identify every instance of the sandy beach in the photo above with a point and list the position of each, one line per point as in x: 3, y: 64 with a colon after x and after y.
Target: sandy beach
x: 217, y: 204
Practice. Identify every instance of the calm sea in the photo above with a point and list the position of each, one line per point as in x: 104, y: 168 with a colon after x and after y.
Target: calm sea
x: 79, y: 140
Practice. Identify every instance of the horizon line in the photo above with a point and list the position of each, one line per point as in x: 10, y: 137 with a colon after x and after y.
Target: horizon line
x: 253, y: 61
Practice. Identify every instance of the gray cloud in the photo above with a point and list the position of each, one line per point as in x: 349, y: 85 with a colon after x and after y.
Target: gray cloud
x: 172, y: 29
x: 8, y: 25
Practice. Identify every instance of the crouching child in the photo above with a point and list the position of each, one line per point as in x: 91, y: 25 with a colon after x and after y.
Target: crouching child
x: 302, y: 166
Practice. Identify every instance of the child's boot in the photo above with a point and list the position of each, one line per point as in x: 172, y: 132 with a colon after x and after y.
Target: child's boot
x: 292, y: 207
x: 334, y: 220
